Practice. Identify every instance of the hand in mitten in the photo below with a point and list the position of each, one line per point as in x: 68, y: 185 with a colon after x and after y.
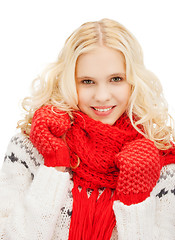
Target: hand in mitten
x: 139, y: 164
x: 49, y: 124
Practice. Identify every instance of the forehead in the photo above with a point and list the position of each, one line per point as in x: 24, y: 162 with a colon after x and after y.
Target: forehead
x: 100, y: 60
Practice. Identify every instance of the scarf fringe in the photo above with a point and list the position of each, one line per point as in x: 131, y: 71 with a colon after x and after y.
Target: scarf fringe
x: 90, y: 213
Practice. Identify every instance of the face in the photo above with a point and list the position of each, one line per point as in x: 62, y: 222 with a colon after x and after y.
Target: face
x: 103, y: 92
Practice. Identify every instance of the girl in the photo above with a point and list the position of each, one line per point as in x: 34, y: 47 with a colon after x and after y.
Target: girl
x: 95, y: 158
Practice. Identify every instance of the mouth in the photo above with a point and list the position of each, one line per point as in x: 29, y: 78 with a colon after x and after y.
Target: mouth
x: 103, y: 111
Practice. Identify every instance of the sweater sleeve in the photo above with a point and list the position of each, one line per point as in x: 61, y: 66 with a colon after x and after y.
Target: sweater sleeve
x: 31, y: 194
x: 154, y: 218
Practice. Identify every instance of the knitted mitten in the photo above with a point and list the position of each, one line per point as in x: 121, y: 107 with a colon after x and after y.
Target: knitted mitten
x: 140, y: 164
x: 48, y: 125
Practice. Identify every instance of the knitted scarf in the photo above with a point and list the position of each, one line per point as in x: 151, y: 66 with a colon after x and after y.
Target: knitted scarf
x: 108, y: 163
x: 96, y: 145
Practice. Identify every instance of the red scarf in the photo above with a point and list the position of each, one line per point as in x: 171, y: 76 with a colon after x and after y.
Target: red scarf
x: 96, y: 144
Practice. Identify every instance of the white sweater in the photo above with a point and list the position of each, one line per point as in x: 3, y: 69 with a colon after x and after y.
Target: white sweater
x: 36, y: 201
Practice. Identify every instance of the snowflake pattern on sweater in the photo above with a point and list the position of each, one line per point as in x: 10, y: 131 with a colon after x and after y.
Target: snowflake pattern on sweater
x: 36, y: 201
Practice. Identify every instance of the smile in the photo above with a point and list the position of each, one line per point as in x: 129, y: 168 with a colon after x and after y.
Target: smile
x: 102, y: 109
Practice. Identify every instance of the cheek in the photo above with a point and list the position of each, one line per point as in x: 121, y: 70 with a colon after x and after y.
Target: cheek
x: 123, y: 94
x: 83, y: 96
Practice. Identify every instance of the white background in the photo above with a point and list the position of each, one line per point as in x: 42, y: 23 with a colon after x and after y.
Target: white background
x: 33, y: 32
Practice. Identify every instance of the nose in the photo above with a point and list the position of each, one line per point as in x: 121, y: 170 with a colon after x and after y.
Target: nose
x: 102, y: 94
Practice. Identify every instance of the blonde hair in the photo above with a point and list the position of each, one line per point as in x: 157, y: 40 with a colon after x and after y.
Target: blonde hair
x: 148, y: 110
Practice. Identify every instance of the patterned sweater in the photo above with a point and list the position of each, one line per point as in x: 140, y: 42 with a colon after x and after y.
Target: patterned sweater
x: 36, y: 201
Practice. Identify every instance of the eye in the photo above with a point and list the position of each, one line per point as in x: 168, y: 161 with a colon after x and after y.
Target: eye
x: 87, y: 81
x: 116, y: 79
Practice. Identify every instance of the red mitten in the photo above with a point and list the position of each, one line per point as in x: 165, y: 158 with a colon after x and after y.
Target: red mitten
x: 140, y: 164
x: 48, y: 125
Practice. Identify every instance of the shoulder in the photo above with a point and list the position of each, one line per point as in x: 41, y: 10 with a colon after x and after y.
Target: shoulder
x: 21, y: 151
x: 167, y: 172
x: 165, y: 187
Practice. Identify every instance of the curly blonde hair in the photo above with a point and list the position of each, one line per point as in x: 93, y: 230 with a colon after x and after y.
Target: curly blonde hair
x: 148, y: 110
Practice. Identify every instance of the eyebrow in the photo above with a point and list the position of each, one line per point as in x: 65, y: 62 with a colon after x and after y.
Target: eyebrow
x: 112, y: 75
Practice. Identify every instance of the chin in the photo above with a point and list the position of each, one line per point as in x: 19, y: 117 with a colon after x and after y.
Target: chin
x: 110, y: 122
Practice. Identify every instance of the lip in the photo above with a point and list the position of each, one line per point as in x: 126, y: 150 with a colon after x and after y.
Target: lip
x: 106, y: 113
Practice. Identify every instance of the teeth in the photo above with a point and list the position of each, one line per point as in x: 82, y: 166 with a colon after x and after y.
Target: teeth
x: 103, y: 110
